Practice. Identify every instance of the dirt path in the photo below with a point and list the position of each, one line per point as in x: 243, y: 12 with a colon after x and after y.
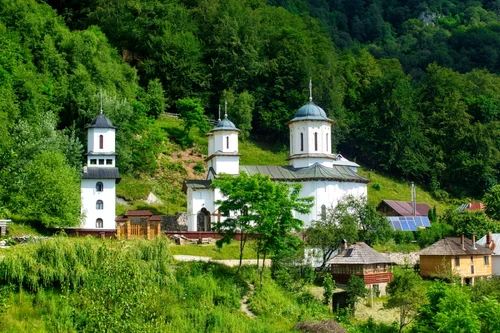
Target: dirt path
x: 244, y: 301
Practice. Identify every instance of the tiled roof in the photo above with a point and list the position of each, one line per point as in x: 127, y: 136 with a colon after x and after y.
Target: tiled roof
x: 121, y: 218
x: 100, y: 173
x: 196, y: 184
x: 359, y: 253
x: 313, y: 172
x: 404, y: 208
x: 155, y: 218
x: 139, y: 213
x: 450, y: 246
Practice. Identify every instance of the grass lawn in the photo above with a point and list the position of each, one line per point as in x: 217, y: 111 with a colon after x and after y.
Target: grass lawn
x: 231, y: 251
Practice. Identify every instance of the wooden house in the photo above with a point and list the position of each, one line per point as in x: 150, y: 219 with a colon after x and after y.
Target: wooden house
x: 402, y: 208
x: 138, y: 224
x: 361, y: 260
x: 456, y: 256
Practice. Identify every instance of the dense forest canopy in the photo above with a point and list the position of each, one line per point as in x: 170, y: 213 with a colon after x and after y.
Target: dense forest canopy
x: 412, y: 86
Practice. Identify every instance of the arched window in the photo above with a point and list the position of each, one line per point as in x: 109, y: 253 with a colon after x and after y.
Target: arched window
x: 301, y: 141
x: 316, y: 141
x: 327, y: 142
x: 99, y: 187
x: 99, y: 204
x: 323, y: 212
x: 101, y: 142
x: 98, y: 223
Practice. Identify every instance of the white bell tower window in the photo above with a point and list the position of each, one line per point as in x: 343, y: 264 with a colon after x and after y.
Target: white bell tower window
x: 99, y: 204
x: 99, y: 187
x: 327, y: 142
x: 301, y: 141
x: 101, y: 141
x: 227, y: 142
x: 316, y: 141
x: 99, y: 223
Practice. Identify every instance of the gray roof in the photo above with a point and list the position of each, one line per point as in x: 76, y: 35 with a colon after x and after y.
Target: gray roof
x: 100, y: 173
x: 310, y: 111
x: 101, y: 121
x: 495, y: 239
x: 225, y: 125
x: 313, y: 172
x: 450, y: 246
x: 196, y: 184
x: 96, y: 153
x: 359, y: 253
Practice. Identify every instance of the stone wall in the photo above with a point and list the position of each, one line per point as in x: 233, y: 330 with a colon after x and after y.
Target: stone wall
x: 177, y: 222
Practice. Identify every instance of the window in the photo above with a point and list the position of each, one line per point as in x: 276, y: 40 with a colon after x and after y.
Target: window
x: 486, y: 260
x: 301, y: 141
x: 472, y: 269
x: 227, y: 142
x: 109, y: 162
x: 457, y: 261
x: 98, y: 223
x: 99, y: 186
x: 101, y: 142
x: 327, y: 142
x: 93, y: 161
x: 99, y: 204
x: 316, y: 141
x: 323, y: 212
x: 101, y: 161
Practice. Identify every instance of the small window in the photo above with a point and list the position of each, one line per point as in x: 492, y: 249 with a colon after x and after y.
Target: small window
x: 101, y: 142
x: 301, y: 141
x: 472, y: 269
x: 316, y: 141
x: 99, y: 223
x: 486, y: 260
x: 227, y: 142
x: 471, y: 259
x: 457, y: 261
x: 327, y: 142
x: 93, y: 161
x: 99, y: 186
x: 99, y: 204
x: 323, y: 212
x: 101, y: 161
x: 109, y: 162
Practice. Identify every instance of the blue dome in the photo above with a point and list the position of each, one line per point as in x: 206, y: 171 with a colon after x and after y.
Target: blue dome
x: 225, y: 125
x: 101, y: 121
x: 310, y: 110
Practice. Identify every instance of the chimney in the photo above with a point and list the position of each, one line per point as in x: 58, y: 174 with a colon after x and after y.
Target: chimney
x: 474, y: 242
x: 413, y: 200
x: 345, y: 245
x: 488, y: 239
x: 462, y: 241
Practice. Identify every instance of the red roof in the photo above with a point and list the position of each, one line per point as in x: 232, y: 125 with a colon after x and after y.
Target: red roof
x: 155, y: 218
x: 139, y: 213
x: 404, y: 208
x: 121, y: 219
x: 476, y: 206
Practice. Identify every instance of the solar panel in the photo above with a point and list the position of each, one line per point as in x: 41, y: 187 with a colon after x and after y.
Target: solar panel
x: 408, y: 223
x: 426, y: 222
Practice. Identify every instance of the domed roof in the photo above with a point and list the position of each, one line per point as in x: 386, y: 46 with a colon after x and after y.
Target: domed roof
x: 225, y: 125
x: 310, y: 111
x: 101, y: 121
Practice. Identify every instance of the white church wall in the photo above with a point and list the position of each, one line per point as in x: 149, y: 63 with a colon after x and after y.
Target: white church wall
x: 220, y: 141
x: 198, y: 199
x: 226, y: 164
x: 210, y: 144
x: 108, y: 139
x: 89, y: 199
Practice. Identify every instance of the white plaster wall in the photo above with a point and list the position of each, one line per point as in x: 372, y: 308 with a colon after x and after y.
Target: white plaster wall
x: 226, y: 164
x: 306, y: 162
x: 495, y: 261
x: 220, y: 141
x: 198, y: 199
x: 93, y: 140
x: 308, y: 128
x: 89, y: 199
x: 210, y: 144
x: 327, y: 193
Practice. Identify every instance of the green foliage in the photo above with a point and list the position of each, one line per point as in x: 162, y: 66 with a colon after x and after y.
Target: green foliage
x: 329, y: 288
x: 406, y: 292
x: 437, y: 231
x: 470, y: 223
x: 155, y: 100
x: 403, y: 237
x: 355, y: 290
x: 192, y: 113
x: 492, y: 201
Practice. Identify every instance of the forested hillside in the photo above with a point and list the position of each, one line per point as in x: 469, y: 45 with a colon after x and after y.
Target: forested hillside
x: 412, y: 86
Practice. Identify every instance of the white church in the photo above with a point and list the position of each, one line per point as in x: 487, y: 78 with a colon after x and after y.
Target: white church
x: 99, y: 177
x: 326, y: 176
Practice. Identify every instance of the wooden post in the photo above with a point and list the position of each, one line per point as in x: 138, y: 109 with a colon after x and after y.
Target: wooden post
x: 148, y: 228
x: 128, y: 229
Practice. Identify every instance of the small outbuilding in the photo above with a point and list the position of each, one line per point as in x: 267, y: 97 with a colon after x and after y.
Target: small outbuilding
x: 361, y: 260
x: 138, y: 224
x: 456, y: 256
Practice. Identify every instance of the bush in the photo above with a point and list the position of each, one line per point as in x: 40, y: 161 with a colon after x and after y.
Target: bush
x: 403, y: 237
